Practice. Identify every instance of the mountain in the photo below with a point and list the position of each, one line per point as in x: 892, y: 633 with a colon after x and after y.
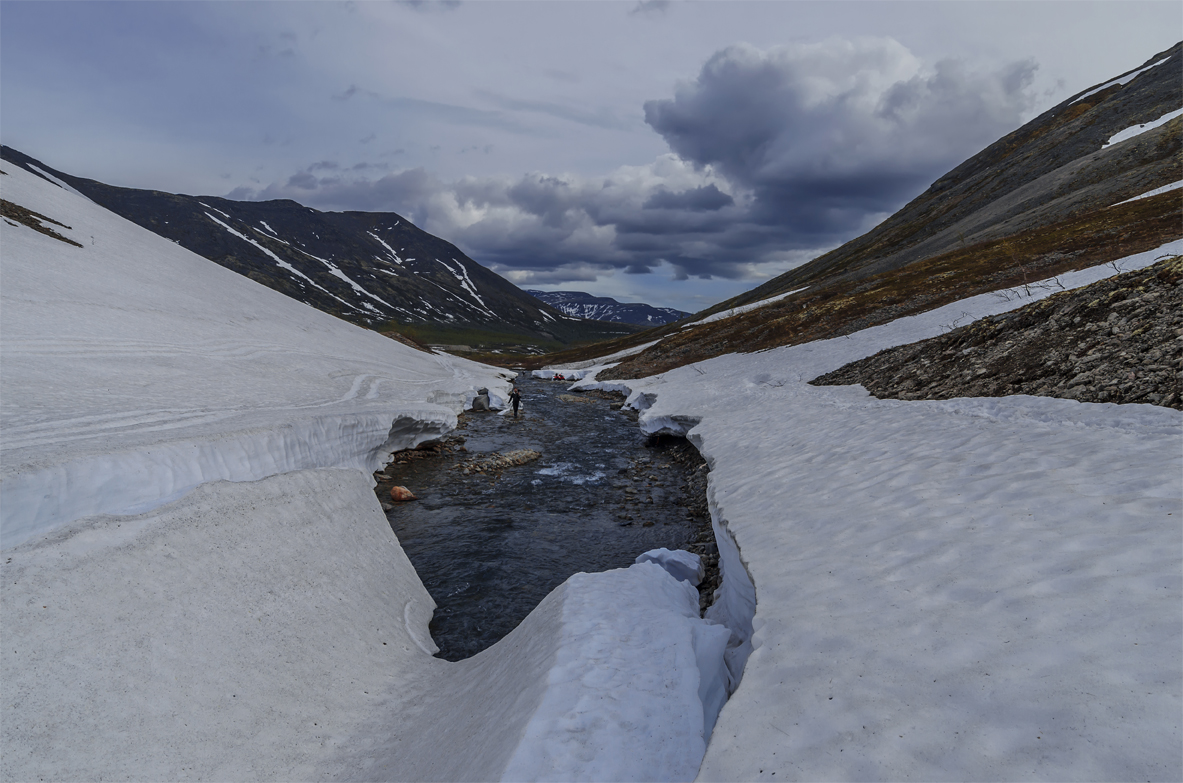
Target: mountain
x: 1086, y: 182
x: 374, y: 269
x: 578, y: 304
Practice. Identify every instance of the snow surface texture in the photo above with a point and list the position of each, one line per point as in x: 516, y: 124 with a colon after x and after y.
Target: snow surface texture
x: 199, y: 583
x: 969, y: 589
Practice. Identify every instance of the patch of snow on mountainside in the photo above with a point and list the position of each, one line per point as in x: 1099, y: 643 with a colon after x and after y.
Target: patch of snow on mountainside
x: 743, y: 308
x: 389, y: 249
x: 215, y: 209
x: 1138, y: 130
x: 336, y: 272
x: 466, y: 283
x: 1164, y: 189
x: 279, y: 261
x: 1122, y: 80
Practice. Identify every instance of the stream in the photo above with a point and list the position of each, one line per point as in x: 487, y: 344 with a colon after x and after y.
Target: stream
x: 490, y: 540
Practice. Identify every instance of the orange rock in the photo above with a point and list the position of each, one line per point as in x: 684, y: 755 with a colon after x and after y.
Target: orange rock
x: 399, y: 494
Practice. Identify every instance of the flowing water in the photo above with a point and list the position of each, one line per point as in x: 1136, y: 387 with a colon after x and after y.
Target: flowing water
x: 490, y: 545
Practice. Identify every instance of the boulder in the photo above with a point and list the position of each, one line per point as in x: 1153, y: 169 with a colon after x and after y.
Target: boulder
x: 401, y: 494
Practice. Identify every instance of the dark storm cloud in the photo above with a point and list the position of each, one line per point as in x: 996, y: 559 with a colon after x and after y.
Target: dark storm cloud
x: 824, y: 135
x: 776, y: 154
x: 705, y: 199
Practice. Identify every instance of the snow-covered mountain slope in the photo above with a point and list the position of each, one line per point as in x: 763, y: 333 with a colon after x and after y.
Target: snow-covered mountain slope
x: 967, y: 589
x: 198, y: 582
x: 374, y: 269
x: 135, y: 370
x: 602, y: 308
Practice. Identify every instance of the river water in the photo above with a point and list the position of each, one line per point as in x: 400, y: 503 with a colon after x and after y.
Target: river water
x: 490, y: 546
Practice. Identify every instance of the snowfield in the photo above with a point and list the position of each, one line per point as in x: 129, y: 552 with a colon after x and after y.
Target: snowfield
x: 971, y: 589
x: 198, y: 582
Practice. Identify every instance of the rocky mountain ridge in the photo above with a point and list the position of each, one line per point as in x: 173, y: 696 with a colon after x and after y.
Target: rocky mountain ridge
x: 579, y: 304
x: 375, y: 269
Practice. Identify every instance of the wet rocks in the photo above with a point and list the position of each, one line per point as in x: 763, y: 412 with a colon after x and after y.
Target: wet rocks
x: 1118, y: 340
x: 693, y: 499
x: 492, y: 463
x: 576, y: 398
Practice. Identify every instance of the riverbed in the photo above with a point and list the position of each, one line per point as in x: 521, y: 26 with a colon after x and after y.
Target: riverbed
x: 491, y: 542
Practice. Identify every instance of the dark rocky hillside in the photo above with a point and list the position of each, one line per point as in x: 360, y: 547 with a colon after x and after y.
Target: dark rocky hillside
x: 1118, y: 340
x: 578, y: 304
x: 374, y: 269
x: 1051, y: 197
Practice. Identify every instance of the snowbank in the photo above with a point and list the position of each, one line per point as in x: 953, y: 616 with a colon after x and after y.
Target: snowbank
x: 962, y: 589
x: 276, y: 630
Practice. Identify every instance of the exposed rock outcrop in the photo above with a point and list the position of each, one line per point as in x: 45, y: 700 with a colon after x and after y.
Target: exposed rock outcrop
x: 1118, y: 340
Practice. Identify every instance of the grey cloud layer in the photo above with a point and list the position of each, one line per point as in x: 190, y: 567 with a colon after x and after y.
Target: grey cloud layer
x: 773, y: 151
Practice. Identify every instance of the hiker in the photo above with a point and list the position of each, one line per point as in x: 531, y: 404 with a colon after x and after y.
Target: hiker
x: 515, y: 398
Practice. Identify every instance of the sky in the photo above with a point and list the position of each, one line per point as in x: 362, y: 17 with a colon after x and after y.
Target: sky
x: 676, y: 153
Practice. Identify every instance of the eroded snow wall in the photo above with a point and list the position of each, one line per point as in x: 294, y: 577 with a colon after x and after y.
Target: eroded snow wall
x: 276, y: 630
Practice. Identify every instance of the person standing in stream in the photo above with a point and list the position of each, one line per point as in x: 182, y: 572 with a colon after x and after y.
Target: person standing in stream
x: 515, y: 398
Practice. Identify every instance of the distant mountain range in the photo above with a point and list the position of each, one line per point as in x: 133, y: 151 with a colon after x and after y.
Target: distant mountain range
x: 578, y: 304
x: 375, y: 269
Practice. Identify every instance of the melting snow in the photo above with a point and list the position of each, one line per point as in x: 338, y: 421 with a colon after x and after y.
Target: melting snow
x: 215, y: 209
x: 389, y: 249
x: 1138, y: 130
x: 335, y: 271
x: 743, y: 308
x: 466, y: 283
x: 279, y: 261
x: 1155, y: 192
x: 1122, y: 80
